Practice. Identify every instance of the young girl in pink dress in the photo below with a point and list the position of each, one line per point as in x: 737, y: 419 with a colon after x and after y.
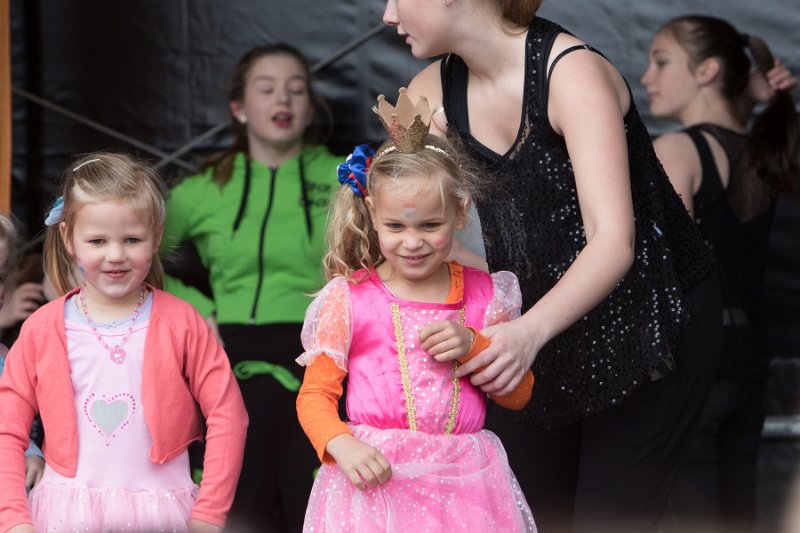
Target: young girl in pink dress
x: 121, y: 373
x: 414, y: 456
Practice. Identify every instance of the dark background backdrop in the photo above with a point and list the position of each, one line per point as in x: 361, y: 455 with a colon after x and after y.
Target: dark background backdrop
x: 154, y: 70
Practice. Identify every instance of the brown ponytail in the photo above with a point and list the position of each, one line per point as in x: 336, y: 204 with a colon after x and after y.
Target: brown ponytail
x: 520, y: 12
x: 772, y: 150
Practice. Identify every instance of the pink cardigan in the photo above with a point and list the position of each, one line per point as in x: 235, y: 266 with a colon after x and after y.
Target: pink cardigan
x: 184, y: 368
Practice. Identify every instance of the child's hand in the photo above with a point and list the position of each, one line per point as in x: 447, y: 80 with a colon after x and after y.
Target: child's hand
x: 359, y: 461
x: 19, y: 305
x: 445, y: 340
x: 22, y: 528
x: 198, y: 526
x: 34, y: 470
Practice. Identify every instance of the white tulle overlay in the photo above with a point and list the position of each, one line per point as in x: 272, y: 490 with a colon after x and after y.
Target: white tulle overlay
x: 57, y: 508
x: 438, y: 484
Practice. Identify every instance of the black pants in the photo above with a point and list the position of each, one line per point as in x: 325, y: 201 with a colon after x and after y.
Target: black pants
x: 279, y: 461
x: 716, y: 486
x: 613, y: 471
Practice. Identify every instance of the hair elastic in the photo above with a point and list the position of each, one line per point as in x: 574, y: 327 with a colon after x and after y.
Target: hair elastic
x: 56, y: 212
x: 353, y: 172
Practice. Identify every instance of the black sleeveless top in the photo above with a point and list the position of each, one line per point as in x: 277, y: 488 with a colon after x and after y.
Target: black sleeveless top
x: 736, y: 221
x: 532, y: 226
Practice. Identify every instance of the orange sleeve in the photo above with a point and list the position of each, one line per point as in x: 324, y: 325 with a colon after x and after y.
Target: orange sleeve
x: 520, y: 397
x: 318, y: 404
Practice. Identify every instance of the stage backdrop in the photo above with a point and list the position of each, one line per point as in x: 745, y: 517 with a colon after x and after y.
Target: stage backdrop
x: 153, y: 70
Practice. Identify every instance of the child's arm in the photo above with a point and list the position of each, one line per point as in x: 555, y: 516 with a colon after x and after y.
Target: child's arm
x: 318, y: 404
x: 214, y: 387
x: 520, y: 397
x: 317, y: 410
x: 445, y: 340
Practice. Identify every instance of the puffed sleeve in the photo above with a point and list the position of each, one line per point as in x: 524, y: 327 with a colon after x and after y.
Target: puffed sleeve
x: 327, y: 325
x: 326, y: 340
x: 506, y: 300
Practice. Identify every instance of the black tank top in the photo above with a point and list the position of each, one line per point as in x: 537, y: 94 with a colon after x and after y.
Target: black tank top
x: 736, y: 221
x: 532, y: 226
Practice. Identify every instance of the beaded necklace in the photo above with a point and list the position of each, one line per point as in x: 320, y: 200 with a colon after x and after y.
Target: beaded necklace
x: 117, y: 354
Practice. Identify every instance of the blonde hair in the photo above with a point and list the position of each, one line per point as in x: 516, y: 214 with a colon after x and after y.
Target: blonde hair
x: 102, y: 176
x: 8, y: 234
x: 352, y: 239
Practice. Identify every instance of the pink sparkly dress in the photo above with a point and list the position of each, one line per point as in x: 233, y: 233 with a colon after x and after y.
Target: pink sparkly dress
x: 117, y: 487
x: 448, y: 473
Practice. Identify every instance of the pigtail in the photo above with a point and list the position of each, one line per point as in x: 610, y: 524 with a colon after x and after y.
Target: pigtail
x: 352, y: 240
x: 772, y: 149
x: 58, y: 263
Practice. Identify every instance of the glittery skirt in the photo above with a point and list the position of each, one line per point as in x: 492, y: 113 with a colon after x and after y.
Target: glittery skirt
x: 65, y: 507
x: 439, y: 483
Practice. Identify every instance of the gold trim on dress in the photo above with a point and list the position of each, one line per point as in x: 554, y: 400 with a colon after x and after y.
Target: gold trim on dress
x: 411, y: 410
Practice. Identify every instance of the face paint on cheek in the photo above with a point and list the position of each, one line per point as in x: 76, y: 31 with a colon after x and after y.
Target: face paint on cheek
x: 442, y: 243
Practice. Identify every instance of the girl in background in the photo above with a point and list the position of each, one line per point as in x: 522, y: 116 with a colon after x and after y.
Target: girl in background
x: 729, y: 171
x: 257, y: 216
x: 122, y: 374
x: 414, y: 456
x: 34, y: 460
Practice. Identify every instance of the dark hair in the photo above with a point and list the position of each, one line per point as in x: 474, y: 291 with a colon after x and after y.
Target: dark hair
x: 772, y: 149
x: 235, y: 88
x: 520, y: 12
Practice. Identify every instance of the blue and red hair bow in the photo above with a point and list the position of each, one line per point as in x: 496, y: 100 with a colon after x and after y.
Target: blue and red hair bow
x: 353, y: 171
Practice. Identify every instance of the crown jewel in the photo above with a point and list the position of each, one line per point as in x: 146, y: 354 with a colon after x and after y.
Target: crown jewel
x: 406, y: 123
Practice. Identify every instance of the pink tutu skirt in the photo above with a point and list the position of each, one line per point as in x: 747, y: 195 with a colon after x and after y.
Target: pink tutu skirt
x: 57, y: 507
x: 440, y: 483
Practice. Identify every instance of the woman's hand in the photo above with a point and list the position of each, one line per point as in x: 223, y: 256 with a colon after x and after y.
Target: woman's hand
x: 762, y: 88
x: 360, y: 462
x: 445, y: 340
x: 513, y: 349
x: 34, y: 470
x: 780, y: 77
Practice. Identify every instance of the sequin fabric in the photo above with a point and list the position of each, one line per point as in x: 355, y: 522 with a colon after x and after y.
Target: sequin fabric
x: 439, y: 482
x: 532, y: 226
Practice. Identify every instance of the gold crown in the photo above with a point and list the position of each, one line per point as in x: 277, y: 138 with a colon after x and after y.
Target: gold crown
x: 406, y: 123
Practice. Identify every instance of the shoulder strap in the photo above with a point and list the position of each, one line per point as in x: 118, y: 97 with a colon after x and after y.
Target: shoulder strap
x: 710, y: 183
x: 544, y: 81
x: 569, y: 51
x: 454, y: 93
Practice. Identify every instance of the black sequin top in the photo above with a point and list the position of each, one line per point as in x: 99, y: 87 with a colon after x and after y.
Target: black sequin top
x: 532, y: 226
x: 736, y: 222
